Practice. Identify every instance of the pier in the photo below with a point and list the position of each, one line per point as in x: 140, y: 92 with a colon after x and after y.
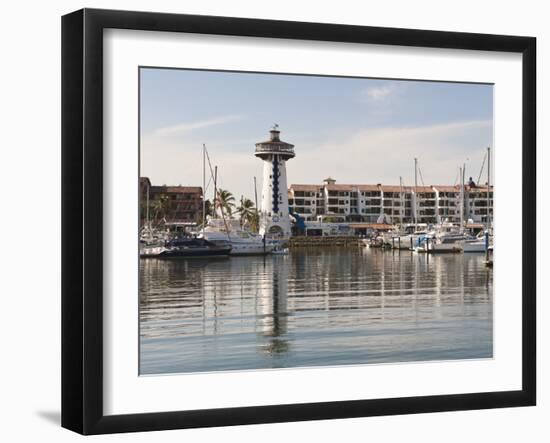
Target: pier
x: 303, y: 241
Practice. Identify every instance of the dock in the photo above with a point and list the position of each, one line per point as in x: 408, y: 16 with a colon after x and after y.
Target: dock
x: 320, y: 241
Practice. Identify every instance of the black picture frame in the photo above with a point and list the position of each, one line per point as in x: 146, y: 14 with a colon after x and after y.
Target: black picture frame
x: 82, y: 218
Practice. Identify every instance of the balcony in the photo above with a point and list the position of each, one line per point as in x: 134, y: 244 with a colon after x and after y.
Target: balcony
x: 266, y: 150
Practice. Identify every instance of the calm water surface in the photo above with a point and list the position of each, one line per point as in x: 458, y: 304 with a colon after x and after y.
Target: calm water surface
x: 314, y: 307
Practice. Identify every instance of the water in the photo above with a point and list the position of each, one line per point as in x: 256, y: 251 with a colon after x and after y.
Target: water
x: 314, y: 307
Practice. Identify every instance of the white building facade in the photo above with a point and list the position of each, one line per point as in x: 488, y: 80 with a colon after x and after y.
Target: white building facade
x: 390, y: 203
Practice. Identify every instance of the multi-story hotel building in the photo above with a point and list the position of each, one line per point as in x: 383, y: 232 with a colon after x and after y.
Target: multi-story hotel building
x: 391, y: 203
x: 476, y: 203
x: 181, y: 205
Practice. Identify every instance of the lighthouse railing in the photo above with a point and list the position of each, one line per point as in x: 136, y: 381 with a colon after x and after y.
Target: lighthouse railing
x: 276, y: 149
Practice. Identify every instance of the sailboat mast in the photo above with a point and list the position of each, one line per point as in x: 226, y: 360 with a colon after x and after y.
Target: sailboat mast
x: 488, y: 186
x: 415, y: 191
x: 462, y: 195
x: 203, y: 186
x: 401, y: 201
x: 147, y: 211
x: 215, y: 190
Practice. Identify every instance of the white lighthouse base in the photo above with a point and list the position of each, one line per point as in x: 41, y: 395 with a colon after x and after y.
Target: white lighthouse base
x: 275, y: 227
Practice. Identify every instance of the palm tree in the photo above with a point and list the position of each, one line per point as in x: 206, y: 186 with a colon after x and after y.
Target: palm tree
x: 225, y: 201
x: 246, y: 211
x: 255, y: 222
x: 159, y: 207
x: 208, y: 211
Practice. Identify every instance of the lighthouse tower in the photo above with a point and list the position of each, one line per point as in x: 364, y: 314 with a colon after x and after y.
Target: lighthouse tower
x: 274, y: 217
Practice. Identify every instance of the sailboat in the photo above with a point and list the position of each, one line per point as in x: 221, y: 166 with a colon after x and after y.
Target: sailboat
x: 183, y: 246
x: 408, y: 235
x: 446, y: 236
x: 484, y: 241
x: 225, y: 231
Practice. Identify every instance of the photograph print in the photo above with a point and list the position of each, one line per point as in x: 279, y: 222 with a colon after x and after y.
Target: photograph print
x: 294, y: 221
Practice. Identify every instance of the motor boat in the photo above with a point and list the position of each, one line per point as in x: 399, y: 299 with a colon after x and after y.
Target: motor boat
x: 409, y: 237
x: 152, y: 242
x: 192, y: 247
x: 242, y: 242
x: 150, y: 249
x: 445, y: 238
x: 477, y: 244
x: 473, y: 245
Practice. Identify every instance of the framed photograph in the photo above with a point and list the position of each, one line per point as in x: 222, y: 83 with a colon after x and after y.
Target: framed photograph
x: 269, y: 221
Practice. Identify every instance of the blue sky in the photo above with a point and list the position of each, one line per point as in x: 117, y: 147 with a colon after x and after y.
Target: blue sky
x: 355, y: 130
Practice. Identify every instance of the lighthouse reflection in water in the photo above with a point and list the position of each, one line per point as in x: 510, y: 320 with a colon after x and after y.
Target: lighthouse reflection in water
x: 315, y: 307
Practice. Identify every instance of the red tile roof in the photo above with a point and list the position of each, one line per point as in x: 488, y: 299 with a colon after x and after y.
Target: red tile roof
x: 447, y: 188
x: 341, y: 187
x: 305, y: 187
x: 394, y: 188
x: 478, y: 188
x: 423, y: 189
x: 368, y: 187
x: 177, y: 189
x: 387, y: 188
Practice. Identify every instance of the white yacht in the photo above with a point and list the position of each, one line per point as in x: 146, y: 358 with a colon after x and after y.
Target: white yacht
x: 152, y: 242
x: 476, y: 244
x: 473, y: 245
x: 445, y: 238
x: 230, y: 232
x: 409, y: 237
x: 151, y: 249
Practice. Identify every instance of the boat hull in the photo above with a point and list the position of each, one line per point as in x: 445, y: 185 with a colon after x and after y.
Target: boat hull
x: 474, y: 246
x: 438, y: 248
x: 432, y: 247
x: 442, y: 249
x: 248, y: 246
x: 151, y: 251
x: 194, y: 253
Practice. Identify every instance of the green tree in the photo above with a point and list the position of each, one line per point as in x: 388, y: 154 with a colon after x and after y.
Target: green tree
x: 159, y: 207
x: 225, y: 201
x: 255, y: 222
x: 246, y: 211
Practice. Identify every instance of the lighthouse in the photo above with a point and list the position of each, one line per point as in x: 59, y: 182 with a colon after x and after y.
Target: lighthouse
x: 274, y: 216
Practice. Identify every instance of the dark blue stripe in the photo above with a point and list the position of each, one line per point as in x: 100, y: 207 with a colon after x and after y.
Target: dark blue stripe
x: 275, y: 187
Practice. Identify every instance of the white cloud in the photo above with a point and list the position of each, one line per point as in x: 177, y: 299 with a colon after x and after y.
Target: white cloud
x: 190, y: 126
x: 377, y: 93
x: 379, y: 155
x: 382, y: 155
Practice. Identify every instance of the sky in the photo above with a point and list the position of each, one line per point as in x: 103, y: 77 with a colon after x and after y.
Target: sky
x: 356, y: 130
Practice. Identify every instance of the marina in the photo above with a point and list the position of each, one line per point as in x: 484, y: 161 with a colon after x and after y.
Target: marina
x: 426, y: 219
x: 248, y: 286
